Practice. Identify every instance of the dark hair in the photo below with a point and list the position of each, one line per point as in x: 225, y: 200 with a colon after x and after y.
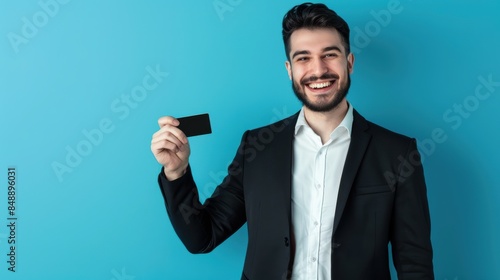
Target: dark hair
x: 312, y: 16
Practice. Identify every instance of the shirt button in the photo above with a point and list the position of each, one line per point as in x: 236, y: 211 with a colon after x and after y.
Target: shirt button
x: 318, y: 186
x: 313, y: 259
x: 316, y: 223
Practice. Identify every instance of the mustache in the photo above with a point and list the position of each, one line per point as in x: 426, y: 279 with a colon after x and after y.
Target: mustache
x: 326, y: 76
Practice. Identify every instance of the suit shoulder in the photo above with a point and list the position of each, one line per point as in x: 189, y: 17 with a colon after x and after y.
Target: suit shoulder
x: 388, y: 134
x: 387, y: 143
x: 277, y: 126
x: 384, y: 136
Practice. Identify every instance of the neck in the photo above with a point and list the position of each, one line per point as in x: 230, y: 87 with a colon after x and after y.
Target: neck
x: 323, y: 123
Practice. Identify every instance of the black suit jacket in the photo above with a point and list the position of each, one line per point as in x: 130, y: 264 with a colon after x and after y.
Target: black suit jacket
x: 382, y: 198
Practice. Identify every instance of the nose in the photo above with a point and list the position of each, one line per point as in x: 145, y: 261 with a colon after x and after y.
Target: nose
x: 319, y: 67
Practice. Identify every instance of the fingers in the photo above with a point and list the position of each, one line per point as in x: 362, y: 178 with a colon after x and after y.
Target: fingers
x: 169, y: 140
x: 170, y: 145
x: 164, y: 145
x: 169, y: 137
x: 169, y: 125
x: 167, y: 120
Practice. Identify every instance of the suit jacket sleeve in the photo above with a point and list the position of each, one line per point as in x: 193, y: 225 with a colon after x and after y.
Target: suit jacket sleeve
x: 202, y: 227
x: 411, y: 246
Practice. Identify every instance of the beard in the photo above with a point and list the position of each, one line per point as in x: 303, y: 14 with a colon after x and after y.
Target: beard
x: 322, y: 106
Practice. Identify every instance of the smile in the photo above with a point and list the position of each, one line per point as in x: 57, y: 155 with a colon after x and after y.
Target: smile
x: 321, y: 85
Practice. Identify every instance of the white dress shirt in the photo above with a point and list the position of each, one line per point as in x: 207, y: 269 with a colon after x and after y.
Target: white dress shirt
x: 317, y: 169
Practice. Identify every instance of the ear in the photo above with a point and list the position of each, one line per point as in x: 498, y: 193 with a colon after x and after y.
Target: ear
x: 350, y: 63
x: 288, y: 69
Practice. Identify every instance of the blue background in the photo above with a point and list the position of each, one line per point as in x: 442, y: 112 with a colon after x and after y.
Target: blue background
x: 104, y: 218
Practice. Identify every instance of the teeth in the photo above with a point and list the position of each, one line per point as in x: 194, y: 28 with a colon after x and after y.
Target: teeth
x: 320, y: 85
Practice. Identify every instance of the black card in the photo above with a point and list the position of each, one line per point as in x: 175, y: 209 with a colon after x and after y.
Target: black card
x: 195, y: 125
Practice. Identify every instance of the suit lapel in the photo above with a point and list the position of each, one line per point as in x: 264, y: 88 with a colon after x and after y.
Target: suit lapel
x: 283, y: 150
x: 359, y: 142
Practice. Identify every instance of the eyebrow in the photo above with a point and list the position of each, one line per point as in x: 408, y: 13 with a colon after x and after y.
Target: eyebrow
x: 331, y: 48
x: 299, y: 53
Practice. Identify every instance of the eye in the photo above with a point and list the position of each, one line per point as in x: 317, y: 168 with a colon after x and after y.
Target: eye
x: 331, y: 55
x: 303, y: 58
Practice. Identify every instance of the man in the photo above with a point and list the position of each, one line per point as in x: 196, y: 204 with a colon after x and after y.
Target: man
x: 323, y: 192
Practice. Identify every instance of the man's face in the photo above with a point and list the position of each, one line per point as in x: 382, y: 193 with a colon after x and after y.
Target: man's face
x: 319, y: 68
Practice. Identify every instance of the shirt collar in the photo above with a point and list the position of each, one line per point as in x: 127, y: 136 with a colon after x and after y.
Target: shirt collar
x: 346, y: 123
